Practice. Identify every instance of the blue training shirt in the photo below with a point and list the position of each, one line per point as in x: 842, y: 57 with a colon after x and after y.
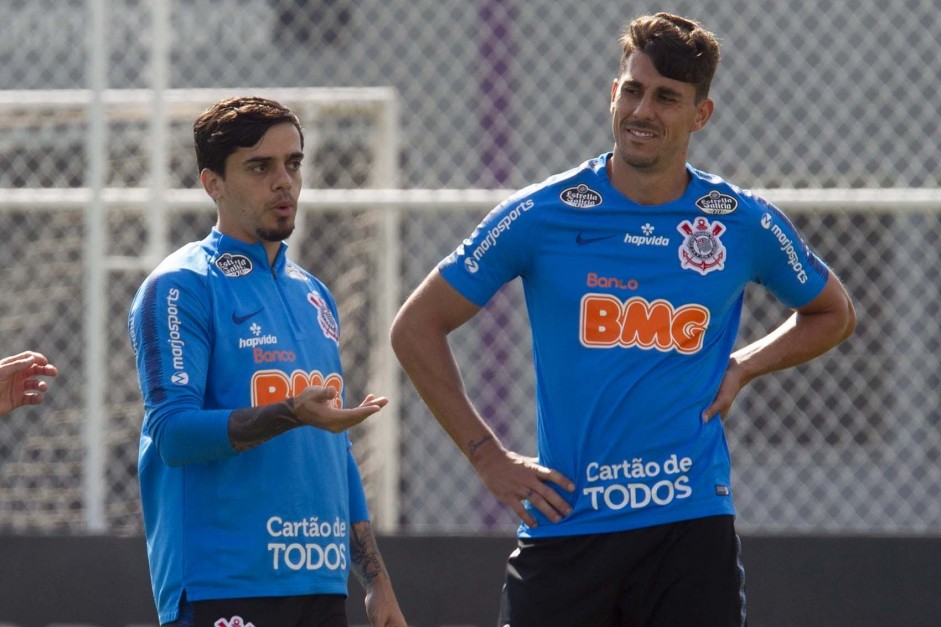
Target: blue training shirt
x: 634, y: 312
x: 214, y: 328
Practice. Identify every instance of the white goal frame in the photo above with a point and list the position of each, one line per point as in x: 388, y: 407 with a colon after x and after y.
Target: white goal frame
x: 156, y: 108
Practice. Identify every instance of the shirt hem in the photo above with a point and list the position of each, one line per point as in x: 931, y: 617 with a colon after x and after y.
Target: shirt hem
x: 582, y: 529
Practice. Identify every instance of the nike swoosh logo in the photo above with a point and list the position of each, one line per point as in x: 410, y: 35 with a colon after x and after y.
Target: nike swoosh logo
x: 237, y: 319
x: 581, y: 241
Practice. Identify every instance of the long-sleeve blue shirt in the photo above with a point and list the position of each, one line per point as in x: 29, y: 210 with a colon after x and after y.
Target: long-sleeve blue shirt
x: 214, y: 328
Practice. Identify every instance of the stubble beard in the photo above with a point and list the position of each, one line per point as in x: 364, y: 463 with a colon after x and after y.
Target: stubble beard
x: 278, y: 233
x: 637, y: 162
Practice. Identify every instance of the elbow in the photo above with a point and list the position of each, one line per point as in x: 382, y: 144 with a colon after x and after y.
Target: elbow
x: 396, y: 336
x: 188, y: 436
x: 851, y: 323
x: 172, y: 461
x: 176, y: 454
x: 837, y: 304
x: 165, y: 441
x: 401, y: 334
x: 849, y: 319
x: 849, y: 326
x: 169, y: 454
x: 396, y: 332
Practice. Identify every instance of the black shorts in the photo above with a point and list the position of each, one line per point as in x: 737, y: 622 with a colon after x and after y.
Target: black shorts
x: 316, y: 610
x: 676, y: 575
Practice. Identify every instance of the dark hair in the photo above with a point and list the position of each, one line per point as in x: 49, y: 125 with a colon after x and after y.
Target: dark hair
x: 236, y: 123
x: 679, y: 48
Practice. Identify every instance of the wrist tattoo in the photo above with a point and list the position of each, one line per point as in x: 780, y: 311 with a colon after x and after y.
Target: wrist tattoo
x: 252, y: 426
x: 473, y: 446
x: 364, y: 554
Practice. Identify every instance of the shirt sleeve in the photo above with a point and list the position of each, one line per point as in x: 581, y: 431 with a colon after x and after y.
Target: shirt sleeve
x: 786, y: 265
x: 170, y: 328
x: 496, y: 252
x: 359, y: 511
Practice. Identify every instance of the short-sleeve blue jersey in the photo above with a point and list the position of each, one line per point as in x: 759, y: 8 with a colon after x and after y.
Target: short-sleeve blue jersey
x: 217, y: 327
x: 634, y: 312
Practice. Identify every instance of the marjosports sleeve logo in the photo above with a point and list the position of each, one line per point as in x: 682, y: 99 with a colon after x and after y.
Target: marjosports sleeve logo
x: 787, y: 246
x: 492, y: 235
x: 606, y: 322
x: 175, y: 338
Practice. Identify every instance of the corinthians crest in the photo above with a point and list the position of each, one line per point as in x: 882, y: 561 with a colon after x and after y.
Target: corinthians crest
x: 701, y: 249
x: 328, y: 323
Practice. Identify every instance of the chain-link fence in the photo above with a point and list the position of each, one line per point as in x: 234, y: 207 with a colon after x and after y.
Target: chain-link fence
x: 492, y: 94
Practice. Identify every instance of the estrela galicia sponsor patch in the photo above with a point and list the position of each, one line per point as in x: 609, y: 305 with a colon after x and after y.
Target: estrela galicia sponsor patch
x: 717, y: 204
x: 581, y: 197
x: 295, y: 273
x: 234, y: 265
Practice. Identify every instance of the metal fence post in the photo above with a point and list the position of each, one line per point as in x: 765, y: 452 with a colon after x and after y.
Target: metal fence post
x: 94, y: 366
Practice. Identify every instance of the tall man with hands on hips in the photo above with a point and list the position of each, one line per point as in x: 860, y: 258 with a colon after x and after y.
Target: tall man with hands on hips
x: 634, y: 265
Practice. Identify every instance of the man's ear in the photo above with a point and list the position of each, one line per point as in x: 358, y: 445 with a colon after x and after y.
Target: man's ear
x: 703, y: 112
x: 212, y: 183
x: 614, y: 94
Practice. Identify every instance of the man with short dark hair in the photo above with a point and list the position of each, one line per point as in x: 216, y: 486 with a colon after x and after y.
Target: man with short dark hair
x: 634, y: 266
x: 253, y: 505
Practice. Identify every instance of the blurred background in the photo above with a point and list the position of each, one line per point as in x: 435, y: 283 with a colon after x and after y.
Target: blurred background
x: 420, y: 116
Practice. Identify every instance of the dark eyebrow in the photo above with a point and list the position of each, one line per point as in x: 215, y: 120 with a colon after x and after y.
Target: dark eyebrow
x: 669, y: 91
x: 294, y: 156
x: 663, y: 91
x: 257, y: 161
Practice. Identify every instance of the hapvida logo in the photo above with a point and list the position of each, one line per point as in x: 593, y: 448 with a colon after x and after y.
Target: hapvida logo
x: 648, y: 238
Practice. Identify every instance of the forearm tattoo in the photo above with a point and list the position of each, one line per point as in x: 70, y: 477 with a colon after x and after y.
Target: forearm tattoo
x: 364, y: 554
x: 473, y: 446
x: 252, y: 426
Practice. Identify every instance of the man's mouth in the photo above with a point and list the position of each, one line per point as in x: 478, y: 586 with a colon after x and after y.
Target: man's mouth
x: 640, y: 133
